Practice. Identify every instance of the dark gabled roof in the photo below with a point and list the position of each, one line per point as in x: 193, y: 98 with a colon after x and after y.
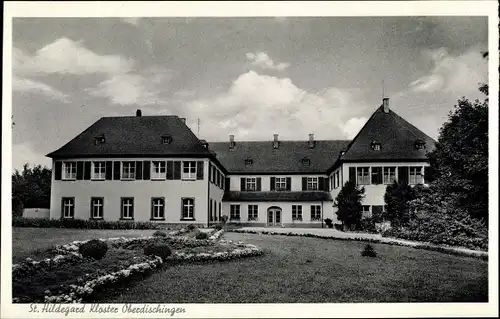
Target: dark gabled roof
x: 286, y: 159
x: 305, y: 196
x: 396, y: 136
x: 134, y: 136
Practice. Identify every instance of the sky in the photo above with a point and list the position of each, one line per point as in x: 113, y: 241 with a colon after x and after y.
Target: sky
x: 250, y: 77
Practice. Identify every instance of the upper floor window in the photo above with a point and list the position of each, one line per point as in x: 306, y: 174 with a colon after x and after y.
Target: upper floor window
x: 69, y: 170
x: 312, y: 183
x: 251, y: 184
x: 363, y: 175
x: 280, y: 183
x: 416, y: 175
x: 68, y: 207
x: 158, y: 170
x: 187, y: 208
x: 389, y: 175
x: 158, y: 208
x: 128, y: 170
x: 376, y: 146
x: 98, y: 170
x: 166, y: 139
x: 337, y: 179
x: 419, y: 145
x: 189, y: 170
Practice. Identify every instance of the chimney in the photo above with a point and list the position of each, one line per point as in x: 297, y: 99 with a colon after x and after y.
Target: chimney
x: 138, y: 113
x: 275, y: 142
x: 183, y: 119
x: 231, y: 142
x: 311, y: 140
x: 385, y: 103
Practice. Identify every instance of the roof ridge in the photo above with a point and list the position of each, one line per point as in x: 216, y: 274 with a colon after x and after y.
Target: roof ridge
x: 250, y: 141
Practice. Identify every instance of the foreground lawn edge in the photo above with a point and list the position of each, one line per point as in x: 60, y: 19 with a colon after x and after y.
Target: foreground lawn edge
x: 382, y: 240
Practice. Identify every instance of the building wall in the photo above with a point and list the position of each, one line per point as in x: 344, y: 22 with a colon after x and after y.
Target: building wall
x: 266, y: 181
x: 141, y: 190
x: 36, y: 213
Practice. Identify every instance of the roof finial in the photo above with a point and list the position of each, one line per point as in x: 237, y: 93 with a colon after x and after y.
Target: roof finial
x: 198, y: 127
x: 383, y: 89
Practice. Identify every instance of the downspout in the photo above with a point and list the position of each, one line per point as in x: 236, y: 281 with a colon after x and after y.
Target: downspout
x: 208, y: 195
x: 322, y: 214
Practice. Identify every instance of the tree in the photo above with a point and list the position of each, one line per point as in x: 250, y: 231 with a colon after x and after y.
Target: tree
x: 31, y: 188
x: 348, y: 202
x: 460, y: 160
x: 397, y: 197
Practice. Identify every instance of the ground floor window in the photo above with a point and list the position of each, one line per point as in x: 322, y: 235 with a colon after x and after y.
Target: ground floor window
x: 297, y: 212
x: 127, y: 208
x: 158, y: 208
x: 234, y: 212
x: 68, y: 207
x: 96, y: 207
x: 366, y: 211
x: 315, y: 212
x: 187, y: 208
x: 253, y: 212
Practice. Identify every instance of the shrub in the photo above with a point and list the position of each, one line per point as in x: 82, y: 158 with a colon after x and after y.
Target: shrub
x: 348, y: 203
x: 338, y: 227
x: 160, y: 250
x: 218, y: 227
x: 224, y: 219
x: 94, y: 248
x: 329, y: 223
x: 369, y: 251
x: 201, y: 235
x: 398, y: 196
x: 80, y: 223
x: 191, y: 227
x: 159, y: 233
x: 368, y: 225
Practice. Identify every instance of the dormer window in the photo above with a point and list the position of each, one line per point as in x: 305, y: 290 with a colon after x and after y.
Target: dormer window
x: 419, y: 145
x: 376, y: 146
x: 98, y: 140
x: 166, y: 139
x: 306, y: 161
x: 248, y: 162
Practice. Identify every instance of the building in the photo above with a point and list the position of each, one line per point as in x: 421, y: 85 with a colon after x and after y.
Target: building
x: 153, y: 168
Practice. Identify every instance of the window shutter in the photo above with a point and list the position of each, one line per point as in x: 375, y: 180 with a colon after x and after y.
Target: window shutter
x: 403, y: 174
x: 138, y: 170
x: 352, y: 174
x: 199, y: 170
x: 210, y: 168
x: 177, y: 170
x: 227, y: 183
x: 146, y: 170
x: 304, y: 183
x: 325, y: 183
x: 259, y: 184
x: 170, y: 170
x: 272, y: 185
x: 288, y: 183
x: 86, y: 170
x: 116, y: 170
x: 428, y: 174
x: 376, y: 175
x: 242, y: 184
x: 109, y: 170
x: 79, y: 170
x: 58, y: 171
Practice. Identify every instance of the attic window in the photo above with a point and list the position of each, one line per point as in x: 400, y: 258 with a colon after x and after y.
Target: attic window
x: 166, y: 139
x: 248, y: 162
x: 419, y: 145
x: 376, y: 146
x: 306, y: 161
x: 98, y: 140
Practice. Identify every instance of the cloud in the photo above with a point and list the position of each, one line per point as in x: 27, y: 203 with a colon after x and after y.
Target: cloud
x: 143, y: 88
x: 257, y: 106
x: 353, y: 126
x: 31, y: 86
x: 65, y: 56
x: 262, y: 60
x: 132, y: 20
x: 453, y: 74
x: 23, y: 153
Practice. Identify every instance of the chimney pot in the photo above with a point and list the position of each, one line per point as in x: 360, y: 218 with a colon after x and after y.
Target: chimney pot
x: 275, y: 142
x: 138, y: 113
x: 385, y: 103
x: 311, y: 140
x: 231, y: 141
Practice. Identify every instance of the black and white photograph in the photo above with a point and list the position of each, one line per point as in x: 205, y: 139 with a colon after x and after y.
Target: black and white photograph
x: 161, y: 163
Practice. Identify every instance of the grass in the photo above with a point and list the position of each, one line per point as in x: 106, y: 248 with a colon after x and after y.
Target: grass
x: 34, y: 242
x: 310, y: 270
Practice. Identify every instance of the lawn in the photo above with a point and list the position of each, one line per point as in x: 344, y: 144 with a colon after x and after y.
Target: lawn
x: 310, y: 270
x: 33, y: 242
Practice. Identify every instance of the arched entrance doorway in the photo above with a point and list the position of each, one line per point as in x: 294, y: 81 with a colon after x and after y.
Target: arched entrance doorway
x: 274, y: 217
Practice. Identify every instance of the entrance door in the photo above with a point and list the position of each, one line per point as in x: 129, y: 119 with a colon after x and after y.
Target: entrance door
x: 274, y: 217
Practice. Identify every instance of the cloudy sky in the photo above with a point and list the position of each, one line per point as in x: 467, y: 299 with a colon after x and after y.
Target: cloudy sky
x: 251, y: 77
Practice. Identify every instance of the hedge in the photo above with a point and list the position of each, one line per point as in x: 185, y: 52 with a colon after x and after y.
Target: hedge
x: 80, y: 223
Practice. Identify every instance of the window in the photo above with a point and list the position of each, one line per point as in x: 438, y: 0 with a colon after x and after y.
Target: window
x: 128, y: 170
x: 280, y: 183
x: 248, y: 162
x: 187, y: 208
x: 234, y: 212
x: 253, y: 212
x: 99, y: 170
x: 389, y: 175
x: 96, y: 207
x: 337, y: 175
x: 366, y: 211
x: 99, y: 140
x: 251, y: 184
x: 419, y: 145
x: 158, y: 170
x: 69, y: 170
x: 416, y: 175
x: 363, y: 174
x: 315, y: 212
x: 158, y: 208
x: 189, y: 170
x: 376, y: 146
x: 306, y: 161
x: 127, y: 208
x: 297, y: 212
x: 312, y: 183
x: 166, y: 139
x: 68, y: 207
x: 331, y: 181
